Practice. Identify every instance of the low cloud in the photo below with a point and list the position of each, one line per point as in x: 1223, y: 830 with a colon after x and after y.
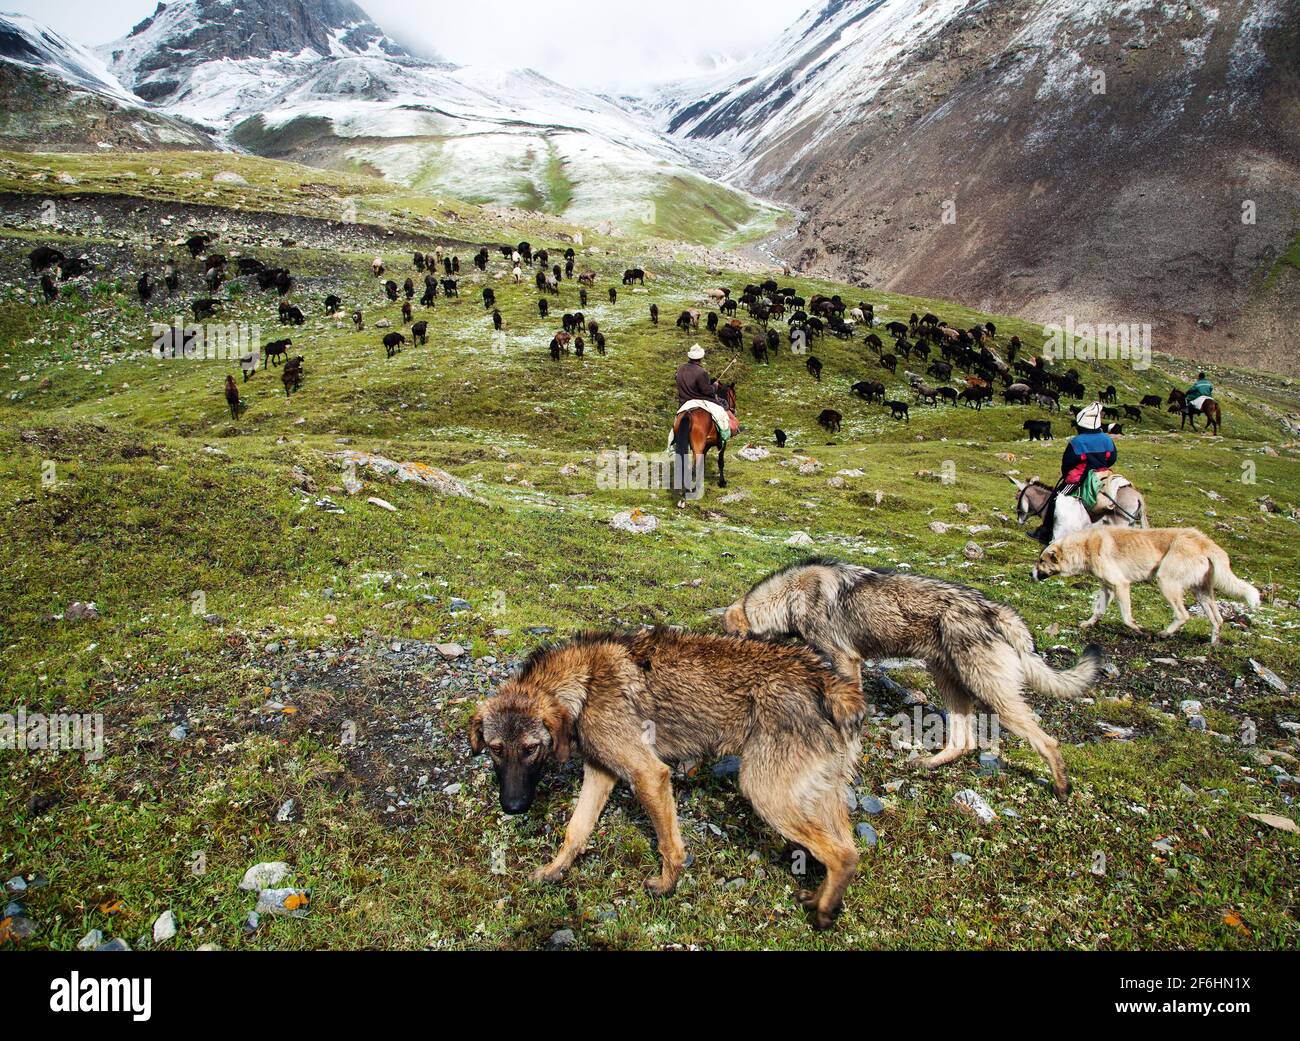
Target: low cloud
x: 581, y: 44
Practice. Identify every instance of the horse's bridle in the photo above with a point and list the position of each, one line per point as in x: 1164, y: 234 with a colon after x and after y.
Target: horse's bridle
x: 1021, y: 498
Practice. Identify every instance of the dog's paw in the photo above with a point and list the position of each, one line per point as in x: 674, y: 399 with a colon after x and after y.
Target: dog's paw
x: 656, y: 886
x: 807, y: 899
x: 1088, y: 624
x: 548, y: 875
x: 823, y: 922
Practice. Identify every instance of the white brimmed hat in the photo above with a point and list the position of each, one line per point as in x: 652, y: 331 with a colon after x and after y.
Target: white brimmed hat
x: 696, y: 353
x: 1089, y: 418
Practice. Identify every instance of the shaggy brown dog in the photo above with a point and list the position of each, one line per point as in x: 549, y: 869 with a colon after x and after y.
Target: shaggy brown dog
x: 977, y: 650
x: 637, y: 703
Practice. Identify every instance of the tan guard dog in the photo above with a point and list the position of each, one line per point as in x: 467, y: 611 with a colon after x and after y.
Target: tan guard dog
x: 637, y: 703
x: 1176, y: 559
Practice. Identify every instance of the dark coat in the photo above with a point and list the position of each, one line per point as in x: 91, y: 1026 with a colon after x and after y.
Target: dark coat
x: 694, y: 382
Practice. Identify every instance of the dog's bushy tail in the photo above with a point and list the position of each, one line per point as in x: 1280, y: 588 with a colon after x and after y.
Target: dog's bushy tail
x: 845, y: 704
x: 1038, y: 675
x: 1068, y: 683
x: 1230, y: 585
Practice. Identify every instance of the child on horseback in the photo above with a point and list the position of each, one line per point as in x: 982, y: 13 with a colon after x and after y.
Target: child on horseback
x: 1198, y: 392
x: 1089, y: 452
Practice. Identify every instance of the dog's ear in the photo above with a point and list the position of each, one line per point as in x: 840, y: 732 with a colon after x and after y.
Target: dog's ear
x: 560, y: 724
x: 476, y: 731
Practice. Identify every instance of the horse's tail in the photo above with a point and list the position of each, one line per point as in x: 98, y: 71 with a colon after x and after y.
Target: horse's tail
x: 682, y: 435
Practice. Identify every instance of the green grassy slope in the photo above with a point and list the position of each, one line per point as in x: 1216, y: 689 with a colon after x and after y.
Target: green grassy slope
x: 158, y: 495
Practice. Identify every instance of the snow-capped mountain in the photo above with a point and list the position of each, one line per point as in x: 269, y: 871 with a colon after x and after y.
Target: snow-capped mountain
x: 1092, y: 157
x: 27, y: 43
x: 201, y: 57
x: 319, y: 82
x: 59, y: 94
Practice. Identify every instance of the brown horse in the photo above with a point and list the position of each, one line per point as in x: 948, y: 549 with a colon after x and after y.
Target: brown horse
x: 1209, y: 409
x: 694, y: 433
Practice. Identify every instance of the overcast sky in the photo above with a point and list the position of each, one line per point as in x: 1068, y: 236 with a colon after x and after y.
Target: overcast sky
x: 582, y: 43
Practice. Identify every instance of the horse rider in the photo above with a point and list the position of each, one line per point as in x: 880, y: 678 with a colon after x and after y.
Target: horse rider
x: 1091, y: 450
x: 1198, y: 392
x: 694, y: 382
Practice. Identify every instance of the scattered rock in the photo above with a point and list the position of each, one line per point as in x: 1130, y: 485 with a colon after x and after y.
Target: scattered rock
x: 81, y: 612
x: 1269, y: 676
x: 295, y: 903
x: 164, y: 927
x: 91, y: 940
x: 1275, y: 821
x: 799, y: 538
x: 866, y: 833
x: 973, y: 551
x: 634, y: 522
x: 266, y: 875
x: 383, y: 504
x: 408, y: 473
x: 973, y: 804
x: 562, y: 939
x: 450, y: 650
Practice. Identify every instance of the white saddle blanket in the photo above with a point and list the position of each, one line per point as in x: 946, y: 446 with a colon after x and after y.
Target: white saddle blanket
x: 718, y: 413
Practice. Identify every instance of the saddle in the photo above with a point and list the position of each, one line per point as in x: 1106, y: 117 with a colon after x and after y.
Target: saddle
x: 1099, y: 490
x: 724, y: 419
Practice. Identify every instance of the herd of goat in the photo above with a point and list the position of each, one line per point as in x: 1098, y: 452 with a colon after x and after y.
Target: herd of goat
x: 972, y: 355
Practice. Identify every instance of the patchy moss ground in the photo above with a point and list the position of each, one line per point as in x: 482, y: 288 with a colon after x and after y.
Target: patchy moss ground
x: 158, y: 495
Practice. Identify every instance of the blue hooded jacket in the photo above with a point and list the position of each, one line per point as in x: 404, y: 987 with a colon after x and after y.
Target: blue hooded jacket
x: 1090, y: 450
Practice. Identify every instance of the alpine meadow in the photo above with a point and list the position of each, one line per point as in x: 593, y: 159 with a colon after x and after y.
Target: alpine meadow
x: 408, y: 467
